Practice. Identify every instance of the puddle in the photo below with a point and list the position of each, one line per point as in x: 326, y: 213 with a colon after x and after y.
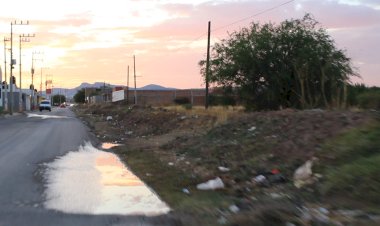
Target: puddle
x: 91, y: 181
x: 44, y: 116
x: 110, y: 145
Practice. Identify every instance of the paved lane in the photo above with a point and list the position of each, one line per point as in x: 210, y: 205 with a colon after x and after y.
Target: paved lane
x: 26, y: 143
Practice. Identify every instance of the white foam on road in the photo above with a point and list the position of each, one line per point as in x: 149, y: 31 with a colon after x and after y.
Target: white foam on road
x: 91, y: 181
x: 30, y: 115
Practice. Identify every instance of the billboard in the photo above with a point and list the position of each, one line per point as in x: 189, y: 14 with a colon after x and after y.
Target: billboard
x: 118, y: 95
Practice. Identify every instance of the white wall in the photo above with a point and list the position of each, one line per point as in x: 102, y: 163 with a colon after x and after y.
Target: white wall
x: 118, y: 95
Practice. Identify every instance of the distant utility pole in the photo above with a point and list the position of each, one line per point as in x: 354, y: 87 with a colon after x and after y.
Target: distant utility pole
x: 32, y: 72
x: 134, y: 74
x: 128, y: 86
x: 208, y: 64
x: 23, y: 38
x: 5, y: 73
x: 13, y: 62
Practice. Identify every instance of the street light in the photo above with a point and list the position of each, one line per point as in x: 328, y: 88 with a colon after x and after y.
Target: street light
x: 13, y: 62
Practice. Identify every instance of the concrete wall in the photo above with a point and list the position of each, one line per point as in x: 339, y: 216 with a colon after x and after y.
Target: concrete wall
x: 164, y: 97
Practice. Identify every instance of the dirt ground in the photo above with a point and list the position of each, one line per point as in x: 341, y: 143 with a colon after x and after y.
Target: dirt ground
x: 188, y: 147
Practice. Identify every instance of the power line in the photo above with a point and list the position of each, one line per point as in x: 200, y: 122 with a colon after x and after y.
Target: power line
x: 257, y: 14
x: 245, y: 18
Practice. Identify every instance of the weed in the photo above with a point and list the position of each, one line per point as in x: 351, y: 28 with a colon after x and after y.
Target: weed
x: 358, y: 179
x: 353, y: 167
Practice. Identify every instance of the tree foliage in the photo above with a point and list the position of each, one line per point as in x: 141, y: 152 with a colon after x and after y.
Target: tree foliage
x: 58, y: 99
x: 293, y: 64
x: 79, y: 97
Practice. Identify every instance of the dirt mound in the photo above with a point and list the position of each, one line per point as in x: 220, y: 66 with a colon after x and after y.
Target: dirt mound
x: 187, y: 147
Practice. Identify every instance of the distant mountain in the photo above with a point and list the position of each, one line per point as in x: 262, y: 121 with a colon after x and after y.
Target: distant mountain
x: 95, y: 85
x: 154, y: 87
x: 71, y: 92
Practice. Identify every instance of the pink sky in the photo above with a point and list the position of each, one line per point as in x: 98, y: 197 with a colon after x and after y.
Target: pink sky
x: 94, y: 41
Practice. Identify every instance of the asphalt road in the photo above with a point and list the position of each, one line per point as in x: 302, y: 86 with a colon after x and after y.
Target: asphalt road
x: 26, y: 143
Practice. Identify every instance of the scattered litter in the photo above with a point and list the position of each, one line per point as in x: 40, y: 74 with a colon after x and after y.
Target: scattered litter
x: 234, y: 208
x: 216, y: 183
x: 323, y: 210
x: 109, y: 118
x: 289, y: 224
x: 253, y: 128
x: 275, y: 195
x: 275, y: 171
x: 276, y: 178
x: 320, y: 216
x: 253, y: 198
x: 170, y: 164
x: 260, y: 178
x: 304, y: 175
x: 186, y: 191
x: 128, y: 132
x: 266, y: 178
x: 183, y: 117
x: 222, y: 220
x: 223, y: 169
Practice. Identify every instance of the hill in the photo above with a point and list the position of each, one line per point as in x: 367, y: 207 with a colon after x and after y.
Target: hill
x: 71, y: 92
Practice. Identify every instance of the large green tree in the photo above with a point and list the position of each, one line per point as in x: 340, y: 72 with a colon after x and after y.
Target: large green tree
x: 293, y: 64
x: 79, y: 97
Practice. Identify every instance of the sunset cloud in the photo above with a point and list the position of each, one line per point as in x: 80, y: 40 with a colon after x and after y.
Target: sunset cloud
x: 93, y: 40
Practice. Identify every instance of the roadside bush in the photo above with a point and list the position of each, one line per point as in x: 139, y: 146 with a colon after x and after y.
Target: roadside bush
x: 187, y: 106
x: 182, y: 100
x: 224, y: 100
x: 369, y: 99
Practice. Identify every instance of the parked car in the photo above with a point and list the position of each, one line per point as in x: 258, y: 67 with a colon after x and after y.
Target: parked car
x: 45, y: 105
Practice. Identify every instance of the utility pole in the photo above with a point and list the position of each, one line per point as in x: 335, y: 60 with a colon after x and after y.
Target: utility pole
x: 32, y: 72
x: 208, y: 64
x: 134, y: 73
x: 23, y: 38
x: 5, y: 73
x: 12, y: 62
x: 128, y: 86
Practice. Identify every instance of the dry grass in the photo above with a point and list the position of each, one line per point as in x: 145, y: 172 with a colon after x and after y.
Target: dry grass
x: 221, y: 113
